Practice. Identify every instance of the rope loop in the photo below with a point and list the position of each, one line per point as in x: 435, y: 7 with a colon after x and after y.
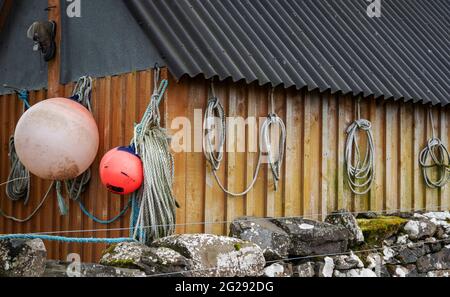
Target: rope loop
x: 215, y: 113
x: 435, y: 156
x: 360, y: 171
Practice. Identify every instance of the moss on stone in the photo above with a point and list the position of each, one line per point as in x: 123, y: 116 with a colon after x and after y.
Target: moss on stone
x: 378, y: 229
x: 237, y: 247
x: 122, y: 263
x: 109, y: 250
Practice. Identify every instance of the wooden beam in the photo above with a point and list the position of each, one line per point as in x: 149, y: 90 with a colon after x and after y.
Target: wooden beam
x: 54, y: 65
x: 4, y: 12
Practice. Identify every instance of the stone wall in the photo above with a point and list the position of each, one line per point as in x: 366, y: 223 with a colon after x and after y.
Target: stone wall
x: 399, y: 245
x: 369, y: 245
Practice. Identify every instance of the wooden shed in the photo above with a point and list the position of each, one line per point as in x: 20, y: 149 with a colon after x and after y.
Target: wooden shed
x: 321, y: 57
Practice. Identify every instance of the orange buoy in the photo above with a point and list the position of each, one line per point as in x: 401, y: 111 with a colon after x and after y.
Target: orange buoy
x: 121, y: 171
x: 57, y: 139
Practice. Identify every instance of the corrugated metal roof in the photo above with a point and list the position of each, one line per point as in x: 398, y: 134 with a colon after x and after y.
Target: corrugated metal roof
x: 318, y: 44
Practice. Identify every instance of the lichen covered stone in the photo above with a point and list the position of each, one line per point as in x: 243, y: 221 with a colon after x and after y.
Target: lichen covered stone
x: 133, y: 255
x: 310, y: 237
x: 274, y: 241
x: 217, y: 256
x: 22, y: 258
x: 420, y: 229
x: 307, y: 269
x: 363, y: 272
x: 278, y: 270
x: 345, y: 219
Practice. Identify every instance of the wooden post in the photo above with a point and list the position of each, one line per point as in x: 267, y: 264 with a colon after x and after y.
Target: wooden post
x: 4, y: 12
x: 54, y: 65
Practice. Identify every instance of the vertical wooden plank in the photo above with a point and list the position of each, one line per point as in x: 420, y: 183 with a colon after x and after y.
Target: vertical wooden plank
x: 260, y: 189
x: 3, y: 157
x: 178, y: 98
x: 235, y: 174
x: 391, y: 156
x: 18, y: 207
x: 252, y: 148
x: 105, y: 197
x: 432, y: 195
x: 96, y: 201
x: 445, y: 137
x: 406, y: 156
x: 306, y: 174
x: 315, y: 155
x: 346, y: 117
x: 311, y: 163
x: 117, y: 112
x: 333, y: 152
x: 131, y: 117
x: 325, y: 154
x: 214, y: 197
x: 419, y: 143
x: 195, y: 163
x: 362, y: 202
x: 91, y: 191
x: 5, y: 120
x: 11, y: 125
x: 293, y: 180
x: 280, y: 194
x: 270, y: 194
x: 377, y: 128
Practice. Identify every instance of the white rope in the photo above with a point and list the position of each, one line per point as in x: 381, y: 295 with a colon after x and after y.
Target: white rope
x: 360, y: 172
x: 215, y: 111
x: 435, y: 156
x: 157, y: 203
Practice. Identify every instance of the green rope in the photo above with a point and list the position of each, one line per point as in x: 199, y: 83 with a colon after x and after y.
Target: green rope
x: 157, y: 205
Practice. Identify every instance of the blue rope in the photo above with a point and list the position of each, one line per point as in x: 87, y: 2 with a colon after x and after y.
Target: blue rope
x: 23, y: 95
x: 66, y: 239
x: 134, y: 214
x: 106, y: 222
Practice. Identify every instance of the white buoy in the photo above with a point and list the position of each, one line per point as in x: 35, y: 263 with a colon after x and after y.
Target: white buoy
x: 57, y: 139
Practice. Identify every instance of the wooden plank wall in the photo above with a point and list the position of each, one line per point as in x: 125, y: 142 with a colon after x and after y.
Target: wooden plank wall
x: 313, y: 182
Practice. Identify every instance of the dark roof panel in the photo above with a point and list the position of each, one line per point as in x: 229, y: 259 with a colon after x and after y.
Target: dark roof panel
x: 318, y: 44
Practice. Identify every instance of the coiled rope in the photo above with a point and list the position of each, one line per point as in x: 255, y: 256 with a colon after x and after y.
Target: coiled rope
x: 20, y: 189
x: 360, y: 172
x: 215, y: 110
x: 154, y: 203
x: 20, y: 186
x: 435, y: 156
